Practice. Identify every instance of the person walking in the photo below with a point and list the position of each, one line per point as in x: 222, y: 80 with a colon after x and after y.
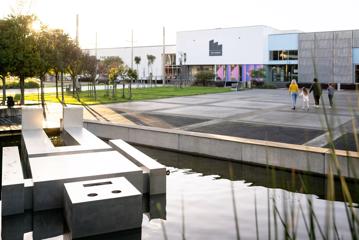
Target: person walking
x: 317, y: 91
x: 293, y: 91
x: 330, y: 94
x: 305, y: 95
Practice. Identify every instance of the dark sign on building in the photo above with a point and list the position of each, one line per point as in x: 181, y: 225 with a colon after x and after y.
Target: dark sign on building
x: 215, y: 49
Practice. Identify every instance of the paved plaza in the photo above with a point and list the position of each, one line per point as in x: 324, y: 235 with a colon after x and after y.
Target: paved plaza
x: 255, y: 113
x: 259, y: 114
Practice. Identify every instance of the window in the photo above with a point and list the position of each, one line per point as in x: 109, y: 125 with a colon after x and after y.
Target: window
x: 356, y: 73
x: 283, y: 55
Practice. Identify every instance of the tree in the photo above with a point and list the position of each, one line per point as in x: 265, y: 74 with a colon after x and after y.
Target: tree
x: 112, y: 62
x: 3, y: 59
x: 112, y: 76
x: 46, y: 51
x: 258, y: 74
x: 132, y: 75
x: 89, y: 67
x: 137, y: 61
x: 150, y: 61
x: 21, y: 54
x: 204, y: 78
x: 74, y: 67
x: 60, y: 41
x: 107, y: 64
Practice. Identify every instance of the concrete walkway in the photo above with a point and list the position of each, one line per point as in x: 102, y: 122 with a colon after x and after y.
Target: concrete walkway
x: 258, y: 114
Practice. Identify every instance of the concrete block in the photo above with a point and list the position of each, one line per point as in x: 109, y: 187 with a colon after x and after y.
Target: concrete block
x: 145, y: 137
x: 325, y: 43
x: 48, y: 224
x: 156, y: 172
x: 254, y: 153
x: 102, y: 206
x: 28, y: 192
x: 155, y: 206
x: 306, y: 36
x: 210, y: 146
x: 294, y: 159
x: 38, y: 143
x: 323, y: 35
x: 353, y: 167
x: 108, y: 131
x: 331, y: 166
x: 51, y: 172
x: 343, y: 34
x: 306, y: 45
x: 12, y: 191
x: 12, y: 227
x: 73, y: 116
x: 356, y: 43
x: 343, y: 43
x: 32, y: 118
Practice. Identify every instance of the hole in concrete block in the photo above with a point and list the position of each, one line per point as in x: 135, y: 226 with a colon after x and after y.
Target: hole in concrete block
x: 97, y: 184
x: 116, y: 191
x: 60, y: 138
x: 92, y: 194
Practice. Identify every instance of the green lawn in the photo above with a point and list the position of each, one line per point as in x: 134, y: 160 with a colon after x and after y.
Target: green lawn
x: 138, y: 94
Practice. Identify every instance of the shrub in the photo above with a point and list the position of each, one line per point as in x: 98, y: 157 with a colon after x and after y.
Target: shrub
x: 28, y: 84
x: 204, y: 78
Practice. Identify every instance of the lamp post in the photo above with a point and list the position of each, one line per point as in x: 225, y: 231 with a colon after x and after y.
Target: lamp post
x: 180, y: 70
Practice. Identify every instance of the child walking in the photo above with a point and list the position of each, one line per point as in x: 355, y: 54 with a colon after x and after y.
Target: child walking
x: 305, y: 94
x: 330, y: 94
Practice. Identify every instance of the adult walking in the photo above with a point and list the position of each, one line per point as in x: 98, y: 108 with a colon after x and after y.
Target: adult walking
x: 317, y: 91
x: 293, y: 91
x: 330, y: 94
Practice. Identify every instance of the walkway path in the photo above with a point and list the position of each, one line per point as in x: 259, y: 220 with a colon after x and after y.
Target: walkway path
x: 258, y: 114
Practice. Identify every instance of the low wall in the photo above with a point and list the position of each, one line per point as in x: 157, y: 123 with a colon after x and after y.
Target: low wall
x: 289, y: 156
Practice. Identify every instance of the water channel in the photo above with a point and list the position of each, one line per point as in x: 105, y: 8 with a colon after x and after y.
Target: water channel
x: 214, y: 199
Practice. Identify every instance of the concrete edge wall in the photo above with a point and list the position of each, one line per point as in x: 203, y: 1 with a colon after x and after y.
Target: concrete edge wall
x: 289, y: 156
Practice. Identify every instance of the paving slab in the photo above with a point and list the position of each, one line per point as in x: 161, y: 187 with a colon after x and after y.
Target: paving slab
x: 261, y: 132
x: 205, y: 111
x: 295, y: 118
x: 186, y: 100
x: 143, y: 106
x: 237, y: 103
x: 163, y: 121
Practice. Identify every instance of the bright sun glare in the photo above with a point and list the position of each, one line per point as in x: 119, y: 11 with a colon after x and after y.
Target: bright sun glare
x: 36, y: 26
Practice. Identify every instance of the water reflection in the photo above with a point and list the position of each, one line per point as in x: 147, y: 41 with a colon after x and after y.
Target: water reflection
x: 255, y: 175
x: 52, y: 224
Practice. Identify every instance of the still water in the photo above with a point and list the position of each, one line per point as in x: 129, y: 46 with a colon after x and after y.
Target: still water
x: 213, y: 199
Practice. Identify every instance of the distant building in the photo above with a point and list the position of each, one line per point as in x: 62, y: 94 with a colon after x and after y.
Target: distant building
x: 142, y: 51
x: 233, y: 53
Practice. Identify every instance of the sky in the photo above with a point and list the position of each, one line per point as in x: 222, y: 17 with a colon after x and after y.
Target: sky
x: 113, y: 20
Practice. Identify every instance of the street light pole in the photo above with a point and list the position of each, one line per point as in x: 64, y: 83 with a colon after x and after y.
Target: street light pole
x: 132, y: 49
x: 164, y: 58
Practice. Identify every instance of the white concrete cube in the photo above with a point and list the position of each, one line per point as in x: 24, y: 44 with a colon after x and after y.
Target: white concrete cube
x: 51, y: 172
x: 154, y: 172
x: 73, y: 116
x: 12, y: 190
x: 32, y: 118
x: 102, y: 206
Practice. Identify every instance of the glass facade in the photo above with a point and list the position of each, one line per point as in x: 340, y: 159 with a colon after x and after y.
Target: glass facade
x: 171, y: 69
x: 282, y: 73
x: 283, y: 55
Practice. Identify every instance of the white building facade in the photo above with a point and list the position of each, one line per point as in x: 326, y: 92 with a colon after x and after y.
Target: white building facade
x: 232, y: 54
x: 143, y: 68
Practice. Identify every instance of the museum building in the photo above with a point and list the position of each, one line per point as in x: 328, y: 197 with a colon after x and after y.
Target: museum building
x: 233, y: 53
